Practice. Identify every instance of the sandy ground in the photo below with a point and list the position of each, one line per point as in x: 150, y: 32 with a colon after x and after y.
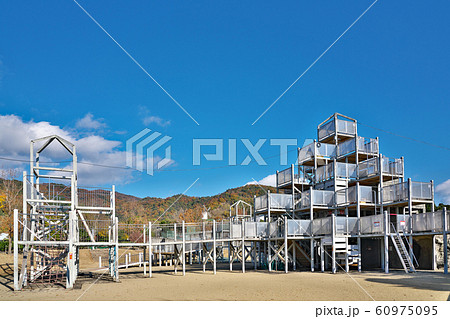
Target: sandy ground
x: 226, y: 285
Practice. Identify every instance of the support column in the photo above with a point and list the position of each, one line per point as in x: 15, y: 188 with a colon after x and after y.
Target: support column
x: 116, y: 255
x: 16, y: 250
x: 444, y: 237
x: 286, y: 251
x: 203, y: 248
x: 150, y: 251
x: 358, y: 215
x: 411, y: 251
x: 214, y: 247
x: 243, y: 245
x: 311, y: 217
x: 294, y: 254
x: 333, y: 243
x: 183, y: 257
x: 322, y: 256
x: 386, y: 242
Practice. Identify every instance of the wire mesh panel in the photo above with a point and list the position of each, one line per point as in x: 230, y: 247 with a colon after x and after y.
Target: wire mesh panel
x: 132, y: 233
x: 280, y: 201
x: 323, y: 198
x: 48, y: 189
x: 299, y: 227
x: 261, y: 202
x: 392, y: 166
x: 346, y: 147
x: 250, y: 229
x: 223, y: 230
x: 193, y: 231
x: 368, y: 167
x: 346, y: 170
x: 261, y: 229
x: 432, y: 221
x: 346, y: 225
x: 372, y: 224
x: 367, y: 145
x: 274, y: 230
x: 366, y: 195
x: 236, y: 230
x: 305, y: 200
x: 421, y: 190
x: 395, y: 192
x: 345, y: 127
x: 326, y: 150
x: 94, y: 197
x: 306, y: 153
x: 95, y: 230
x: 163, y: 232
x: 321, y: 226
x: 403, y: 223
x: 327, y: 129
x: 285, y: 176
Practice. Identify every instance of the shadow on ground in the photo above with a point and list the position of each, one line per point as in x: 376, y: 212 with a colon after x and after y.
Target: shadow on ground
x: 7, y: 275
x: 420, y: 280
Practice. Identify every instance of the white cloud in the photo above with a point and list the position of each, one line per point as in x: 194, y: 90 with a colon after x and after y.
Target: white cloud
x: 270, y: 180
x: 443, y: 190
x: 88, y: 122
x: 155, y: 119
x: 148, y: 119
x: 15, y: 136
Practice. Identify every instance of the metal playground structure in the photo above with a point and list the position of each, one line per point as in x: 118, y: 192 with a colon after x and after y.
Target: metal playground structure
x: 342, y: 205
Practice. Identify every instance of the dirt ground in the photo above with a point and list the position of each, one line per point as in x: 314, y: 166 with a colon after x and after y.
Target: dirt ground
x: 226, y: 285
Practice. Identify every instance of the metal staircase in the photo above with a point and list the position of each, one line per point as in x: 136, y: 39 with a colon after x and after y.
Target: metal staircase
x: 402, y: 252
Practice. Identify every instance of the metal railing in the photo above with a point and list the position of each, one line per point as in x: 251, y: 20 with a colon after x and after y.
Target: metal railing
x: 94, y: 197
x: 306, y: 152
x: 392, y: 166
x: 420, y: 190
x: 373, y: 224
x: 299, y: 227
x: 432, y: 221
x: 340, y: 127
x: 321, y: 226
x: 395, y: 192
x: 277, y: 201
x: 367, y: 145
x: 364, y: 145
x: 319, y: 198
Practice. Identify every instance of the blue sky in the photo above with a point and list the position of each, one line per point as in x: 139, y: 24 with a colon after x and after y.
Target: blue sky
x: 226, y: 62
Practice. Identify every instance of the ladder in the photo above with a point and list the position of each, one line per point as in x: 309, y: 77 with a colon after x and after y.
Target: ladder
x: 402, y: 252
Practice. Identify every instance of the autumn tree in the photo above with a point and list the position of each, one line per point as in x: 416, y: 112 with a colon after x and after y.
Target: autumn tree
x: 10, y: 190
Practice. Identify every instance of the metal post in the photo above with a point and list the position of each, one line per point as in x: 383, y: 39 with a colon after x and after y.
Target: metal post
x: 214, y: 247
x: 333, y: 243
x: 294, y: 254
x: 411, y: 252
x: 358, y: 215
x: 386, y: 242
x: 150, y: 251
x: 203, y: 247
x: 16, y: 249
x: 183, y: 257
x: 444, y: 237
x: 159, y: 255
x: 243, y: 245
x: 322, y: 256
x: 116, y: 256
x: 286, y: 252
x: 311, y: 217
